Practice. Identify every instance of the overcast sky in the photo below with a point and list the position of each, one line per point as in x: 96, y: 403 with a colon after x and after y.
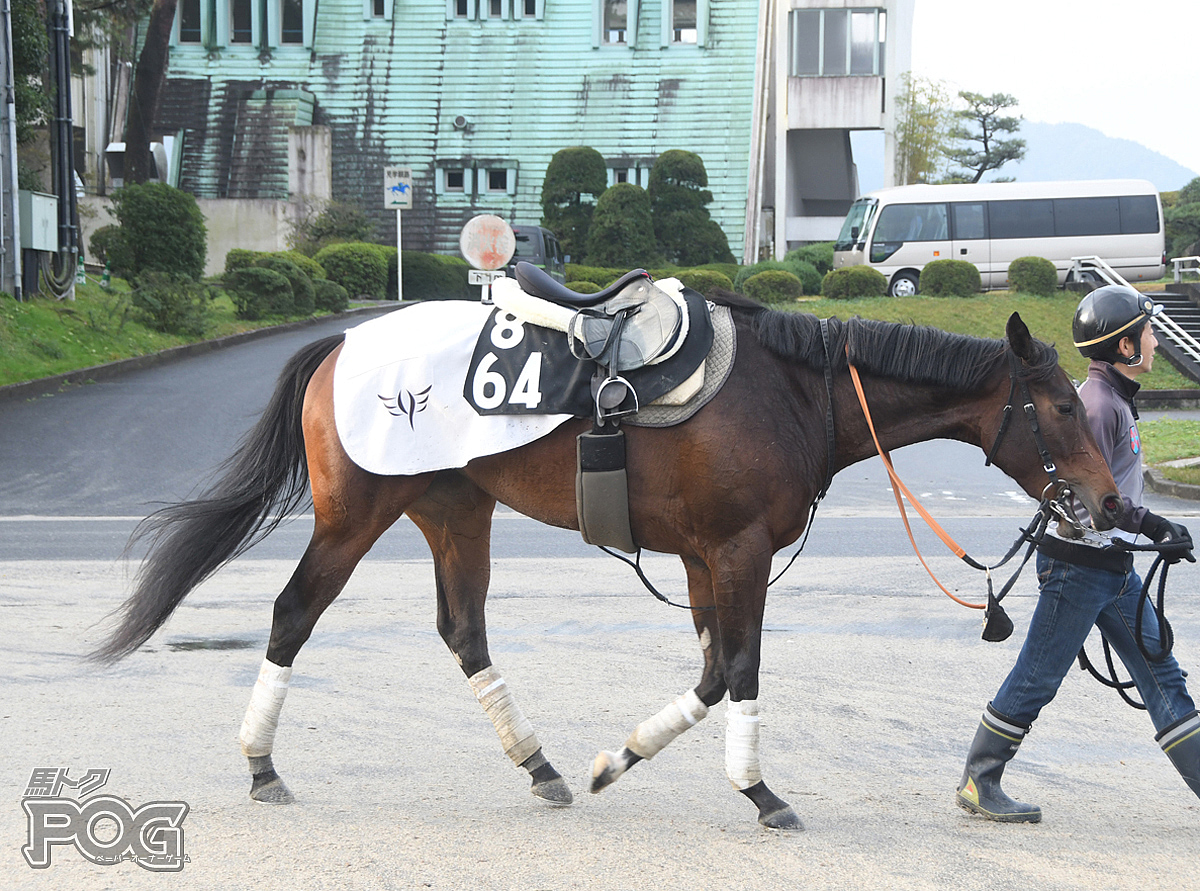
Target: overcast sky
x: 1123, y: 68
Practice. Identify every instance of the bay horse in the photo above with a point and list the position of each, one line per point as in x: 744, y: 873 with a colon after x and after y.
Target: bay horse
x: 724, y: 490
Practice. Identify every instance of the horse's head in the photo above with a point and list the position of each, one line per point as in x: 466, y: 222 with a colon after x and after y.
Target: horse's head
x: 1063, y: 426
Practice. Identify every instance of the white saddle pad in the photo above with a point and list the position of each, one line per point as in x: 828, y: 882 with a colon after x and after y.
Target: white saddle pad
x: 398, y: 393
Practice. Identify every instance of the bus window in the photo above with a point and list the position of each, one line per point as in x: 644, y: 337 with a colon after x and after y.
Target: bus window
x: 1029, y: 218
x: 1139, y: 214
x: 912, y: 222
x: 970, y: 221
x: 1086, y: 216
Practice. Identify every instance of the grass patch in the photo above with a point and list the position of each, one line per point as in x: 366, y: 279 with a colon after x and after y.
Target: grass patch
x: 1049, y: 319
x: 43, y: 336
x: 1168, y: 439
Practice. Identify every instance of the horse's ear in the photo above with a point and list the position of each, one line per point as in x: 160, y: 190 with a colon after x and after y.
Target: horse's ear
x: 1019, y: 338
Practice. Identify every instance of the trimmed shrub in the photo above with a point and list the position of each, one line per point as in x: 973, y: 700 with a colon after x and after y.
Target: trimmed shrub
x: 819, y: 254
x: 807, y: 273
x: 739, y: 281
x: 172, y: 303
x: 435, y: 277
x: 706, y: 281
x: 240, y: 258
x: 729, y: 270
x: 773, y: 286
x: 950, y: 278
x: 337, y: 222
x: 850, y: 282
x: 600, y: 276
x: 358, y: 267
x: 162, y: 229
x: 622, y: 231
x: 258, y: 292
x: 106, y: 243
x: 308, y: 265
x: 302, y: 289
x: 1033, y: 275
x: 330, y: 296
x: 584, y: 287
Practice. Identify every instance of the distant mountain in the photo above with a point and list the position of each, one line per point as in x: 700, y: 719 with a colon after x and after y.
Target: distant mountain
x: 1073, y: 151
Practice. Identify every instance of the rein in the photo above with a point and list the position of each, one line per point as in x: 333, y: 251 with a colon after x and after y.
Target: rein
x: 997, y: 625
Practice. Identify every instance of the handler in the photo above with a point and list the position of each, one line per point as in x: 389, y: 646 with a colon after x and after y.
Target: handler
x: 1088, y: 581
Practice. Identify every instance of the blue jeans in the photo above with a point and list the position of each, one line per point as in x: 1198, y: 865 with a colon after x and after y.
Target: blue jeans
x: 1073, y: 598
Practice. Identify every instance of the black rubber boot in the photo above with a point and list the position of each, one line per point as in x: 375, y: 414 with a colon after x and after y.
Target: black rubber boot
x: 996, y: 741
x: 1181, y: 742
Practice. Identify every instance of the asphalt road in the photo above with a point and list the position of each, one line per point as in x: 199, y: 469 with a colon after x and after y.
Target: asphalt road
x: 872, y: 686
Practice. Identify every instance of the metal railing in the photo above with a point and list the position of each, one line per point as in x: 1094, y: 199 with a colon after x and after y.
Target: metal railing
x: 1083, y: 268
x: 1182, y: 267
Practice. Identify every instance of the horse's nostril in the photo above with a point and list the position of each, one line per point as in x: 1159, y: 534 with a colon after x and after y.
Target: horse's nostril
x: 1112, y: 505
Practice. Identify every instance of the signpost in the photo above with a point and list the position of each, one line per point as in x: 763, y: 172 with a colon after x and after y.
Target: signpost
x: 487, y: 242
x: 398, y: 194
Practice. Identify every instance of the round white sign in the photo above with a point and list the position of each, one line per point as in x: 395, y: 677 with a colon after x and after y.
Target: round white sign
x: 487, y: 242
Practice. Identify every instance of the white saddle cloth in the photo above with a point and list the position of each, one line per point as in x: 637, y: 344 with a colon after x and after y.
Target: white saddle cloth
x: 398, y: 393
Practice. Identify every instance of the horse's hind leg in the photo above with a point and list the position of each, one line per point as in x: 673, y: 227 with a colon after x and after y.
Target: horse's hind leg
x: 656, y: 733
x: 456, y: 517
x: 340, y: 540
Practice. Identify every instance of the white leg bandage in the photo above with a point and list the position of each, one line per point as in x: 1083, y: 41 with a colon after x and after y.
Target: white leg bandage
x: 515, y: 732
x: 741, y: 744
x: 654, y: 734
x: 262, y: 717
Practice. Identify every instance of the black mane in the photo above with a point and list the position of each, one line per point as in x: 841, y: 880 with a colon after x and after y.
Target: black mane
x: 912, y: 353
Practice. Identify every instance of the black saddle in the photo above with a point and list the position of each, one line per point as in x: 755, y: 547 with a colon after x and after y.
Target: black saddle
x: 538, y: 282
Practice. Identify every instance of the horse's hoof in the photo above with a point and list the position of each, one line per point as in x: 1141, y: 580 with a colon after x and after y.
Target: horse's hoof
x: 270, y: 789
x: 555, y: 792
x: 607, y: 767
x: 784, y: 820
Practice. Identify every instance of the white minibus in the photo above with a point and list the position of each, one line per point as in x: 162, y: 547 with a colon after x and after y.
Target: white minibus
x: 899, y: 230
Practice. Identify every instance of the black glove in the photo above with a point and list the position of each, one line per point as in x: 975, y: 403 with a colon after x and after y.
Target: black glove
x: 1173, y: 539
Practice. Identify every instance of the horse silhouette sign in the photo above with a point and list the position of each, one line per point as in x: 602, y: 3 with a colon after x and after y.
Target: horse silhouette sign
x: 397, y: 188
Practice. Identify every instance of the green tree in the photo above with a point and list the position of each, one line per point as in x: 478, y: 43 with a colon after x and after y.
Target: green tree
x: 923, y: 120
x: 575, y: 179
x: 1183, y: 222
x: 162, y: 229
x: 622, y: 231
x: 678, y: 204
x: 978, y: 132
x: 31, y: 45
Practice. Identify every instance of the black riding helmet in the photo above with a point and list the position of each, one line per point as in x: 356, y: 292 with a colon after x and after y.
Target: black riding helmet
x: 1105, y: 316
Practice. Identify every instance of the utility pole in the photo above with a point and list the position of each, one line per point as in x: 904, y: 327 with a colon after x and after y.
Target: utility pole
x: 10, y: 222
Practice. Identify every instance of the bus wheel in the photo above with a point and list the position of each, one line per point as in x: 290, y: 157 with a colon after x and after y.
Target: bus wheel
x: 903, y: 285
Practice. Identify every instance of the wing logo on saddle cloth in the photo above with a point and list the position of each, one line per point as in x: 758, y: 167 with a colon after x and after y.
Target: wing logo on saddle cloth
x: 521, y: 367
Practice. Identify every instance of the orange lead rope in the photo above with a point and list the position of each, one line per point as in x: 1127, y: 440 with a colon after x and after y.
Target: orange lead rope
x: 898, y: 487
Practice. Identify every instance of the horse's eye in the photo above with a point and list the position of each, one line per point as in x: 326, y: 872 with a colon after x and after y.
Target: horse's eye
x: 1066, y: 409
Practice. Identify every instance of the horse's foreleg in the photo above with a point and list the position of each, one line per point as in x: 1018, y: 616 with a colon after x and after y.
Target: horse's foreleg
x: 740, y: 587
x: 656, y: 733
x: 456, y: 518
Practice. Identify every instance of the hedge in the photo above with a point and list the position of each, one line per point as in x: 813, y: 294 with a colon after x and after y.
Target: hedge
x: 950, y: 278
x: 359, y: 267
x: 853, y: 281
x: 330, y: 296
x: 258, y: 292
x: 706, y: 281
x: 434, y: 277
x: 1033, y: 275
x: 773, y: 286
x: 303, y: 301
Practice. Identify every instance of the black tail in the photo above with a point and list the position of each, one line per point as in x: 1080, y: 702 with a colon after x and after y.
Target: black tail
x: 263, y: 481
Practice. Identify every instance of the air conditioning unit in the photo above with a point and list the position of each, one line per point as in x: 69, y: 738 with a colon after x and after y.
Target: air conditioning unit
x: 160, y: 161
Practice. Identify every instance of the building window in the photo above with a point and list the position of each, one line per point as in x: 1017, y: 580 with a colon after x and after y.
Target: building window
x: 836, y: 42
x: 241, y: 27
x: 456, y: 180
x: 529, y: 9
x: 377, y: 8
x: 683, y: 21
x: 497, y: 180
x: 292, y: 22
x: 620, y: 175
x: 462, y: 9
x: 615, y: 22
x: 189, y: 21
